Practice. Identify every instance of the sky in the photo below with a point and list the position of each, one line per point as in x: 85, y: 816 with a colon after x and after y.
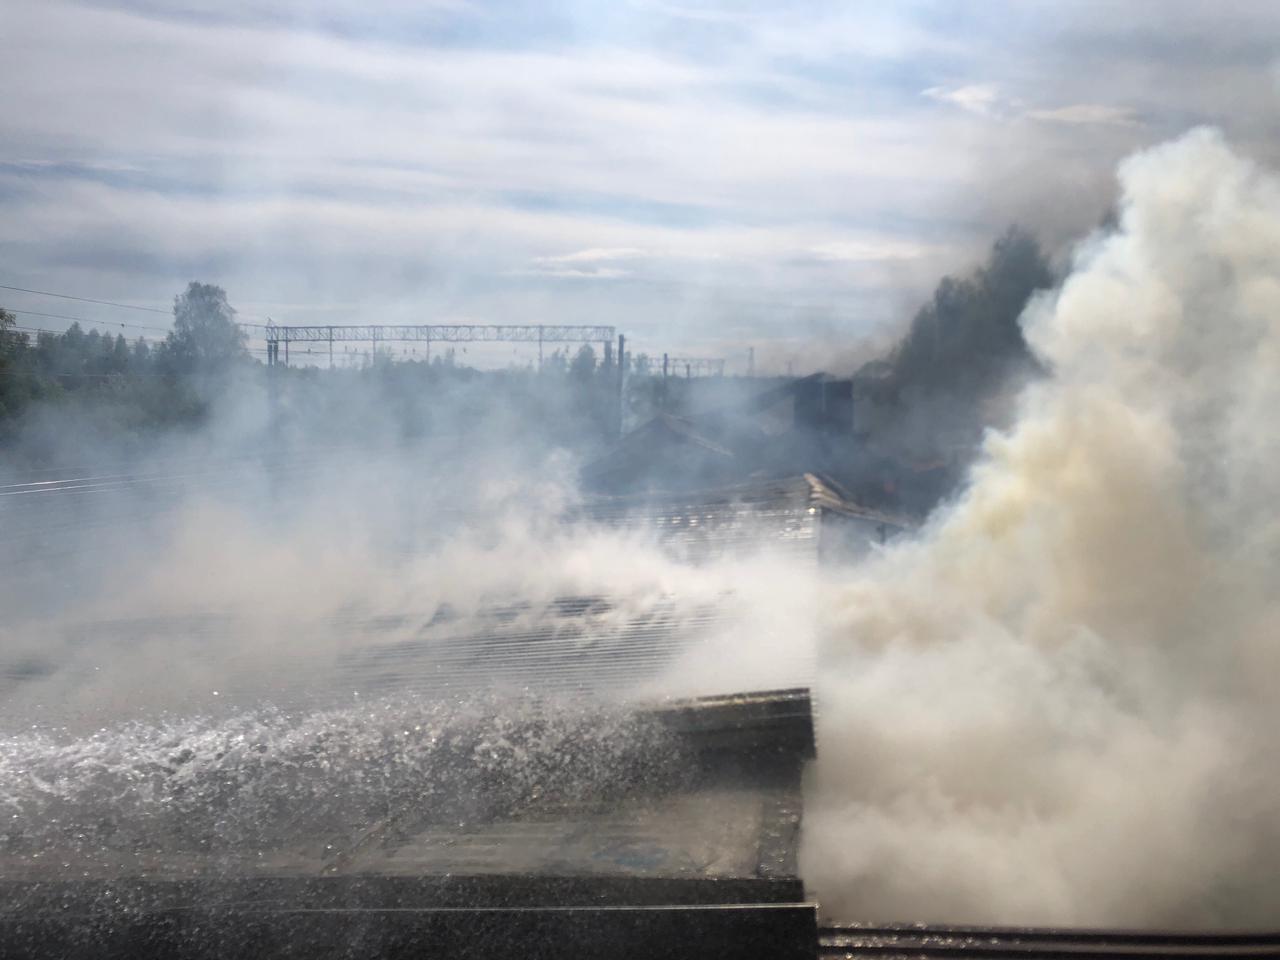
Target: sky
x: 703, y: 176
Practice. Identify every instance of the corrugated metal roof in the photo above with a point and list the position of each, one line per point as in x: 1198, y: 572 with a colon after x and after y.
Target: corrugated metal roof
x: 691, y: 789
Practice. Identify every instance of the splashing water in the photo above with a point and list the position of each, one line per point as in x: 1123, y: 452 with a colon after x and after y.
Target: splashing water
x: 198, y: 795
x: 1059, y: 705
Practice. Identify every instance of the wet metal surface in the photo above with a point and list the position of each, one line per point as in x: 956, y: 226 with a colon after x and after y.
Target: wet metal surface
x: 1025, y: 943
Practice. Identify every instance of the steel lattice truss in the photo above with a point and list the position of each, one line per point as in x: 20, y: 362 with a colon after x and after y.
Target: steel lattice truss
x: 696, y: 366
x: 440, y: 333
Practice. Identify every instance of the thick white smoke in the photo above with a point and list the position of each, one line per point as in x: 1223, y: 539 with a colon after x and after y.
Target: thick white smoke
x: 1060, y: 704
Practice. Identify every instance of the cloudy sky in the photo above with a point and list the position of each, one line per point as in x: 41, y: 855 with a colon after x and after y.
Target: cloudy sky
x: 701, y: 175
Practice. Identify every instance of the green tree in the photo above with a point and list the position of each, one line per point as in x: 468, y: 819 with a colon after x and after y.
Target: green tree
x: 583, y: 367
x: 118, y: 361
x: 8, y: 337
x: 968, y: 335
x: 556, y: 365
x: 9, y: 347
x: 205, y: 336
x: 19, y: 383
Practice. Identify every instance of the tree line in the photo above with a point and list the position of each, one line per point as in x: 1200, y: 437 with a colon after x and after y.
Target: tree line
x: 127, y: 389
x: 958, y: 351
x: 950, y: 374
x: 146, y: 383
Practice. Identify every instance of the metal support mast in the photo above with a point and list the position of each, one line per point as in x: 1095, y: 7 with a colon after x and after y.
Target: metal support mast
x: 695, y: 366
x: 622, y: 372
x: 375, y: 334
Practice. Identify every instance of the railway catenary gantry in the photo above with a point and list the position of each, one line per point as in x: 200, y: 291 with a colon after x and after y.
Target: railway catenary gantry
x: 429, y: 333
x: 692, y: 366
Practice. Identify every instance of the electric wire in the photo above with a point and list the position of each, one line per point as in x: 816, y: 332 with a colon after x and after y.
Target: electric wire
x: 103, y: 323
x: 106, y: 303
x: 67, y: 296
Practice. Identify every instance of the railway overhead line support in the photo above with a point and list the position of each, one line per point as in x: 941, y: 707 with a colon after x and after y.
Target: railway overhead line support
x: 429, y: 333
x: 692, y: 366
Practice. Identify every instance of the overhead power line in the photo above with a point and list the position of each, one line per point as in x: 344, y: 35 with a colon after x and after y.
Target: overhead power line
x: 105, y: 303
x: 67, y: 296
x: 441, y: 333
x: 96, y: 323
x: 23, y: 329
x: 102, y: 323
x: 84, y: 376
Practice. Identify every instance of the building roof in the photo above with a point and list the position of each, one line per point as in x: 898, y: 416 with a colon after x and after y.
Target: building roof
x: 694, y: 804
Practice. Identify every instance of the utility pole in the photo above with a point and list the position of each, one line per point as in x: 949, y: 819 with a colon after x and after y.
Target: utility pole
x: 622, y: 370
x: 273, y: 385
x: 666, y: 360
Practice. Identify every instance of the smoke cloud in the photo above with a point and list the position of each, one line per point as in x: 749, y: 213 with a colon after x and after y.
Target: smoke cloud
x: 1058, y: 704
x: 275, y: 552
x: 1055, y: 705
x: 311, y: 613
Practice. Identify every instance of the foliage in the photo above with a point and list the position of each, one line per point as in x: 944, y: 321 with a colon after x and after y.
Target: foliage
x: 205, y: 337
x: 959, y: 349
x: 113, y: 394
x: 115, y: 389
x: 967, y: 337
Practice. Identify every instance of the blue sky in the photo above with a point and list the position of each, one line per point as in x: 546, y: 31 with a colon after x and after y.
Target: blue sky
x: 704, y: 176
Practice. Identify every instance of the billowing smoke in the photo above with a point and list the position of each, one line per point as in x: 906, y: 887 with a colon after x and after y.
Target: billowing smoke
x: 1059, y: 704
x: 1054, y: 705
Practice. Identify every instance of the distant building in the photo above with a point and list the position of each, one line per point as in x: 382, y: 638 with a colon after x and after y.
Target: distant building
x: 806, y: 516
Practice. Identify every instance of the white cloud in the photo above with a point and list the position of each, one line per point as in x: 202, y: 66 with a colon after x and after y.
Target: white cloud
x: 986, y: 100
x: 981, y: 98
x: 868, y: 251
x: 787, y: 150
x: 1086, y: 114
x: 589, y: 264
x: 584, y: 273
x: 593, y: 255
